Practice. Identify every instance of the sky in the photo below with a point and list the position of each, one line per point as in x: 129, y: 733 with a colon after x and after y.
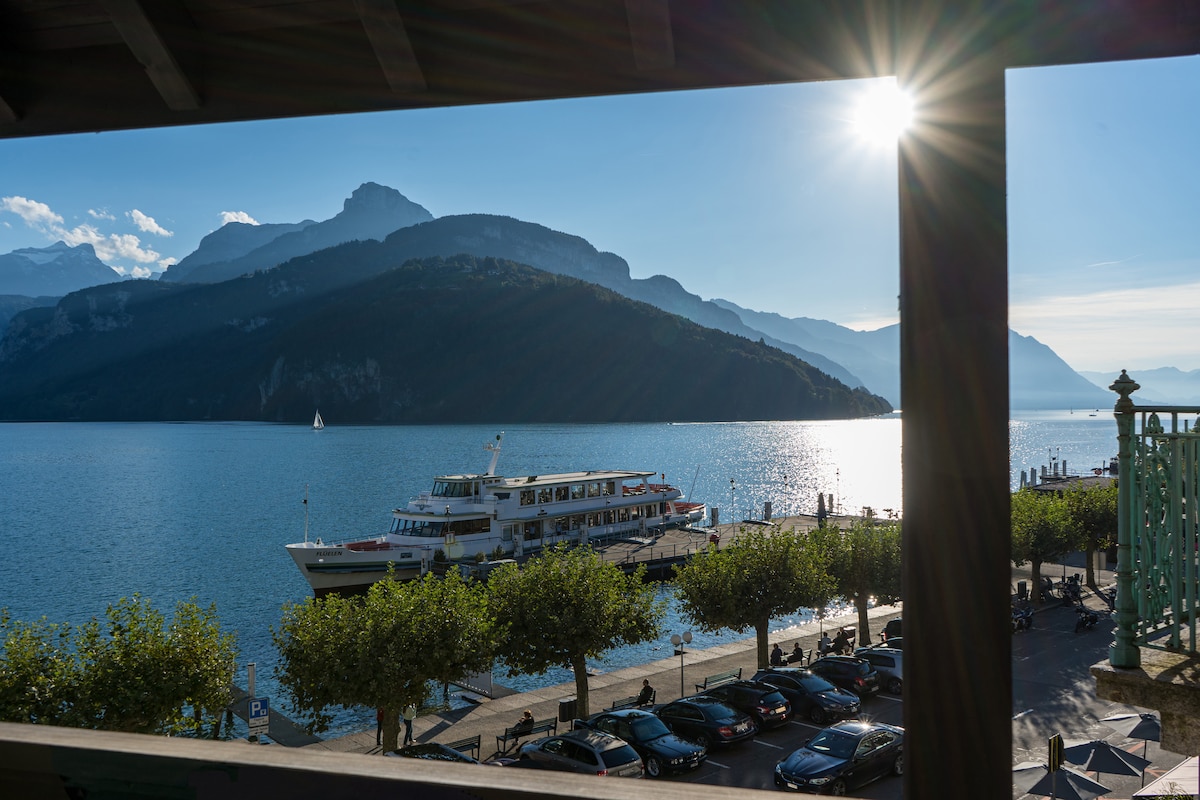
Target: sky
x: 778, y: 198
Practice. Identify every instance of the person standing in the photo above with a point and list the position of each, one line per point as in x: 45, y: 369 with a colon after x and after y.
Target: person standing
x: 410, y: 713
x: 379, y: 726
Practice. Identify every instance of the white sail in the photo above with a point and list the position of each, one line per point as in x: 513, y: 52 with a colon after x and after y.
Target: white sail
x: 318, y: 423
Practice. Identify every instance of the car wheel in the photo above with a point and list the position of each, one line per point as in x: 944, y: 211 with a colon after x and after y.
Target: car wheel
x: 898, y: 765
x: 817, y: 715
x: 894, y: 686
x: 838, y: 787
x: 653, y: 766
x: 704, y: 740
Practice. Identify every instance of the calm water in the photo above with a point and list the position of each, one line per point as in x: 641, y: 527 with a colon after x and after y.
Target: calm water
x: 92, y: 512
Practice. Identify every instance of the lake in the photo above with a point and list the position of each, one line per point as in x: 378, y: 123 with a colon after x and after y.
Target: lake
x: 92, y: 512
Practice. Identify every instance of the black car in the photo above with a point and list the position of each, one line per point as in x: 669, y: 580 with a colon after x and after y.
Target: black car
x: 843, y: 756
x: 707, y: 720
x: 810, y: 694
x: 765, y: 704
x: 894, y: 629
x: 661, y: 750
x: 849, y: 672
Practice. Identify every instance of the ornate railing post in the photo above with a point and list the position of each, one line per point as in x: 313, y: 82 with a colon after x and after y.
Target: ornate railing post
x: 1123, y: 652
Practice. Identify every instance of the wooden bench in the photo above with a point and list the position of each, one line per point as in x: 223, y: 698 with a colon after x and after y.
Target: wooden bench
x: 631, y: 701
x: 719, y: 678
x: 804, y: 659
x: 512, y: 734
x: 469, y: 746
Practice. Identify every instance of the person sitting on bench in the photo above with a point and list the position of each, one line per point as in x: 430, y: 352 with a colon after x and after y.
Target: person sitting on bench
x: 646, y: 695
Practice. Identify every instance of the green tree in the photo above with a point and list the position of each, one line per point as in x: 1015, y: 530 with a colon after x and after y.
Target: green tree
x: 135, y: 673
x: 382, y: 649
x: 757, y: 577
x: 865, y: 565
x: 1042, y: 529
x: 567, y: 606
x: 1094, y: 514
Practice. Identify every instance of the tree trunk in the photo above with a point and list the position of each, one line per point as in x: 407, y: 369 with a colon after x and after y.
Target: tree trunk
x: 864, y: 623
x: 1089, y: 565
x: 1035, y: 576
x: 391, y: 729
x: 579, y: 665
x: 763, y: 636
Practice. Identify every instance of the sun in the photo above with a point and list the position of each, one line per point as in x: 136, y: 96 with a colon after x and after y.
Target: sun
x: 882, y: 113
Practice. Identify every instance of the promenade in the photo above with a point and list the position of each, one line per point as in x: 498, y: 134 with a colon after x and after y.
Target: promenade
x: 489, y: 718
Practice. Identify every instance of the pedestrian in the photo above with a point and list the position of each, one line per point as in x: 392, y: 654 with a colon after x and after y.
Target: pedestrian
x: 841, y: 642
x: 824, y: 645
x: 379, y: 726
x: 646, y: 695
x: 410, y: 713
x: 777, y: 656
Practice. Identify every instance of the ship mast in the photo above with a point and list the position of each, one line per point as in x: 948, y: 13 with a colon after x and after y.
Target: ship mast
x: 495, y: 449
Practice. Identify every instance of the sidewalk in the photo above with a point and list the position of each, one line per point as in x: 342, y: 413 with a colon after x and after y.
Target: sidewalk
x: 491, y: 717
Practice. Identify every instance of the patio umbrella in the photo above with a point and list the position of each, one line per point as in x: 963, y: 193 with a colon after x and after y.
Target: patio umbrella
x: 1146, y: 727
x: 1099, y: 756
x: 1032, y: 777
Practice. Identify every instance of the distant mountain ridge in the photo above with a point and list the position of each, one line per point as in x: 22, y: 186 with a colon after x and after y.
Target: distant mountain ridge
x: 53, y: 271
x: 1161, y: 386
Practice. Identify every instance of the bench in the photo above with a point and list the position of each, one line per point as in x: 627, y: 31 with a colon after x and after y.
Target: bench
x: 469, y: 745
x: 631, y: 701
x: 719, y: 678
x: 512, y: 734
x: 804, y: 658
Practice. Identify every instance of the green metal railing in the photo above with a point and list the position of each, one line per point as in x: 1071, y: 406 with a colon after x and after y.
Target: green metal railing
x: 1157, y: 528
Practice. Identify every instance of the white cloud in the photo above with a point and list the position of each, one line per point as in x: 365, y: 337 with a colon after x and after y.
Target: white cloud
x: 237, y: 216
x: 101, y: 214
x: 146, y: 224
x: 36, y: 215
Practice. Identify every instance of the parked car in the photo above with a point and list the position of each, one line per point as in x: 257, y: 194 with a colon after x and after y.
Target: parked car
x: 585, y: 751
x: 765, y: 704
x: 810, y: 694
x: 435, y: 751
x: 844, y: 756
x: 896, y: 643
x: 707, y: 721
x: 892, y: 630
x: 849, y: 672
x: 889, y: 663
x: 661, y: 751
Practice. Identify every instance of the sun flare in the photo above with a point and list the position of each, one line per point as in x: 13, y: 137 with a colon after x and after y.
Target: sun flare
x: 882, y: 113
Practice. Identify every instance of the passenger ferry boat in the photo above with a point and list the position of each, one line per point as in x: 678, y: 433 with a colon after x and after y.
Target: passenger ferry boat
x: 502, y: 518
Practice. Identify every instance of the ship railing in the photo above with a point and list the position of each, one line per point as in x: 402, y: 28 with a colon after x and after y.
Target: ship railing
x: 1158, y: 527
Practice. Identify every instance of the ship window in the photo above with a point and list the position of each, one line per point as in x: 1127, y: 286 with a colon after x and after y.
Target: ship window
x: 610, y: 487
x: 561, y: 493
x: 578, y: 491
x: 527, y: 497
x: 623, y: 515
x: 593, y: 490
x: 509, y: 532
x: 545, y: 495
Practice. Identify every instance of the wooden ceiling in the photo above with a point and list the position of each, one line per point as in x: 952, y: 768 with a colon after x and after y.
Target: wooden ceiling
x: 96, y: 65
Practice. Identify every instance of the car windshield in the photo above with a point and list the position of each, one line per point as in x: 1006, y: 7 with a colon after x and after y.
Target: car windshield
x: 773, y: 698
x: 647, y: 728
x: 815, y: 683
x: 833, y: 743
x: 619, y: 755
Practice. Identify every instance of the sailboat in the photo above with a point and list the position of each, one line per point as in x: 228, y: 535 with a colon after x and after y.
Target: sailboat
x: 318, y: 423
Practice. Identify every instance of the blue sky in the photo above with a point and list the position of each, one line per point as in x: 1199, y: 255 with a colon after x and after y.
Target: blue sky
x: 772, y: 197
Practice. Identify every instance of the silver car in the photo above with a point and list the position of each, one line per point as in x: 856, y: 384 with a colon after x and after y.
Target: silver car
x: 889, y: 663
x: 585, y: 751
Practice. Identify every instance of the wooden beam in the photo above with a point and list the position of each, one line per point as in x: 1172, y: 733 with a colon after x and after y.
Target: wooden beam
x: 143, y: 39
x: 651, y: 34
x: 393, y: 49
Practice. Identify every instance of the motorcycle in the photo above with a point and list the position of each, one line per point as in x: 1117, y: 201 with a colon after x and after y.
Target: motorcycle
x: 1072, y: 590
x: 1087, y: 618
x: 1022, y: 618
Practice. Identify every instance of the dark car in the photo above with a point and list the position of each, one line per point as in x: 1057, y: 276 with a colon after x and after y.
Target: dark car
x: 661, y: 750
x: 810, y: 694
x: 849, y: 672
x: 707, y: 720
x: 765, y: 704
x: 434, y: 751
x: 585, y: 751
x: 892, y: 630
x: 843, y: 756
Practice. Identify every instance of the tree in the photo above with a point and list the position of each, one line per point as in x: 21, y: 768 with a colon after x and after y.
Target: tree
x: 865, y: 565
x: 135, y: 674
x: 757, y: 577
x: 1042, y: 529
x: 382, y: 649
x: 1094, y: 514
x: 567, y: 606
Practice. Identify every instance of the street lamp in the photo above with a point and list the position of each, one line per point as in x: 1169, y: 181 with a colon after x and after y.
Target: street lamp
x: 679, y: 642
x: 732, y: 512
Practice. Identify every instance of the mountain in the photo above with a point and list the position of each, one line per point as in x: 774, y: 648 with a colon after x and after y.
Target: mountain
x: 1161, y: 386
x: 371, y: 212
x: 437, y: 340
x: 53, y: 271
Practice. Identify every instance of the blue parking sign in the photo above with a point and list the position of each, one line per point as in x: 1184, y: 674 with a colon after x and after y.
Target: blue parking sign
x: 259, y: 715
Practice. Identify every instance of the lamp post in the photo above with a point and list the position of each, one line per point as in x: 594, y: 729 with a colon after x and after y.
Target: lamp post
x: 732, y: 512
x: 679, y: 641
x: 783, y: 508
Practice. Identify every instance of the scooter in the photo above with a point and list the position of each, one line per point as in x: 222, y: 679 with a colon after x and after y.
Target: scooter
x: 1022, y: 618
x: 1072, y: 591
x: 1087, y: 618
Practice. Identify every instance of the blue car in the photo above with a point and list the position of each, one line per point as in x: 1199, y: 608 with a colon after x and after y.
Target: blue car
x: 844, y: 756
